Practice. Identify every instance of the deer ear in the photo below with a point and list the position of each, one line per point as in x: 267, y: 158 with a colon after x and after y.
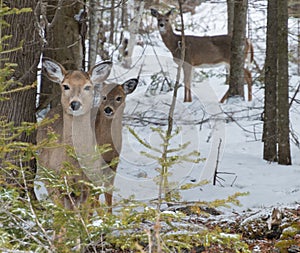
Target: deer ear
x: 130, y: 85
x: 154, y: 13
x: 54, y: 71
x: 100, y: 72
x: 170, y: 12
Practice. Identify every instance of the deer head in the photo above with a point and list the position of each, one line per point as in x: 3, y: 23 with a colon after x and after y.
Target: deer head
x: 163, y: 23
x: 113, y: 97
x: 77, y: 87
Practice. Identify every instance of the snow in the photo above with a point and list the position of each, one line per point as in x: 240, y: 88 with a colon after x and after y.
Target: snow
x: 268, y: 184
x: 203, y: 123
x: 237, y: 124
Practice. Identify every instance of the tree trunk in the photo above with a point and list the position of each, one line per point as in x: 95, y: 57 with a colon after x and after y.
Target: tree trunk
x: 124, y: 15
x: 21, y: 105
x: 270, y: 106
x: 112, y: 22
x: 102, y: 50
x: 236, y: 78
x: 133, y: 29
x: 93, y: 32
x: 230, y: 16
x: 64, y: 43
x: 284, y: 155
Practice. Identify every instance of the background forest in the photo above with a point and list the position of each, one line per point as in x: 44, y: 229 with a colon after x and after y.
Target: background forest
x: 202, y: 176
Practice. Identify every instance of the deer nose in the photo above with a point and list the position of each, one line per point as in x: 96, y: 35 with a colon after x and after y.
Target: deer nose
x: 108, y: 111
x: 161, y: 25
x: 75, y: 105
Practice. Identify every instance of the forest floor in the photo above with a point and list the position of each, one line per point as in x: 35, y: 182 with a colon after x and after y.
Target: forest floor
x: 261, y: 230
x: 264, y: 230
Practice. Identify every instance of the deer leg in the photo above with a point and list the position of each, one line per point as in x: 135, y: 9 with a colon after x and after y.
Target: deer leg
x: 108, y: 199
x: 248, y: 78
x: 227, y: 69
x: 187, y: 70
x: 110, y: 174
x: 227, y: 66
x: 224, y: 97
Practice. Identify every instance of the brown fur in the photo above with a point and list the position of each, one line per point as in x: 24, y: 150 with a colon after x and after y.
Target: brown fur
x: 108, y: 127
x: 210, y: 50
x: 73, y: 128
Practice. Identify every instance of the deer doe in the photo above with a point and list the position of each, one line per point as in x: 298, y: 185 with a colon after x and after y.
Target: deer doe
x: 200, y: 51
x: 74, y: 129
x: 108, y: 125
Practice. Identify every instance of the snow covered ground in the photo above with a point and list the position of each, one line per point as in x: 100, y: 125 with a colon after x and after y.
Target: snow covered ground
x: 227, y: 135
x: 204, y: 123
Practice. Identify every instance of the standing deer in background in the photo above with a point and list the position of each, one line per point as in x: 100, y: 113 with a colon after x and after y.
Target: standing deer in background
x: 200, y: 51
x: 108, y: 127
x: 74, y: 129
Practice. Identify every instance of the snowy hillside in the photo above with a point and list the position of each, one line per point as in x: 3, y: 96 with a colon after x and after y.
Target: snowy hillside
x: 204, y: 123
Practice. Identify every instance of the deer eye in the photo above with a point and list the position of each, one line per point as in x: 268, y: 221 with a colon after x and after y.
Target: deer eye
x: 119, y: 99
x: 104, y: 98
x: 66, y: 87
x: 87, y: 88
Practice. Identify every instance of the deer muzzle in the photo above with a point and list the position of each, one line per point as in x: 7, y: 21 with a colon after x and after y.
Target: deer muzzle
x: 108, y: 111
x: 75, y: 105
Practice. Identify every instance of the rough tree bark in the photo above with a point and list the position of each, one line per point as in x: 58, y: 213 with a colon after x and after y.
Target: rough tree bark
x: 63, y: 34
x: 284, y: 154
x: 270, y: 104
x: 112, y: 22
x: 124, y: 15
x: 21, y: 106
x: 133, y: 29
x: 230, y: 16
x: 93, y: 32
x: 236, y: 78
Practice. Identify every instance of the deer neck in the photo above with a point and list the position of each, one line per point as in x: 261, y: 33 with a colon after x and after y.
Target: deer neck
x: 115, y: 123
x: 77, y: 132
x: 109, y: 130
x: 170, y: 39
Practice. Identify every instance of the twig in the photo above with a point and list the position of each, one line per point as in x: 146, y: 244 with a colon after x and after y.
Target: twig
x: 19, y: 221
x: 233, y: 181
x: 13, y: 250
x: 52, y: 247
x: 295, y: 94
x: 233, y: 120
x: 294, y: 137
x: 79, y: 215
x: 217, y: 163
x: 56, y: 15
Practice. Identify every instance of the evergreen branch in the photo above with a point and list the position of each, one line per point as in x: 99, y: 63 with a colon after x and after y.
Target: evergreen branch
x: 144, y: 143
x: 27, y: 87
x: 189, y: 186
x: 34, y: 215
x: 180, y: 148
x: 150, y: 156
